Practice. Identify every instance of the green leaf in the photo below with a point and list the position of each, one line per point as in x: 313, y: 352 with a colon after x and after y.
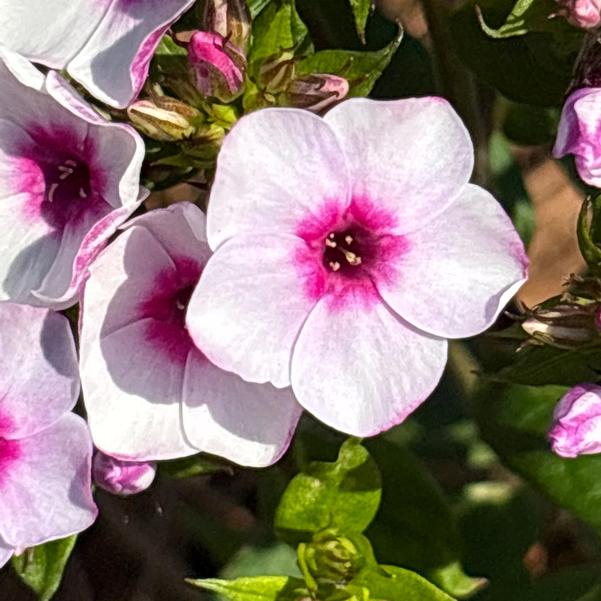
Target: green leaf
x: 42, y: 567
x: 514, y: 420
x: 542, y: 365
x: 257, y: 588
x: 267, y: 560
x: 362, y: 69
x: 525, y: 16
x: 256, y: 6
x: 343, y: 495
x: 414, y: 526
x: 277, y: 29
x: 535, y: 68
x: 197, y: 465
x: 396, y: 584
x: 361, y: 10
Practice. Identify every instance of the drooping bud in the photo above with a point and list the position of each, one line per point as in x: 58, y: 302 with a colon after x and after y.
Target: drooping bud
x: 217, y: 66
x: 329, y: 559
x: 164, y: 119
x: 316, y: 92
x: 230, y: 19
x: 565, y: 325
x: 276, y: 73
x: 585, y: 14
x: 122, y: 477
x: 576, y: 428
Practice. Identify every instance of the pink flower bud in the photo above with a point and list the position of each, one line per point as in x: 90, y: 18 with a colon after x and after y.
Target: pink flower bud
x: 122, y: 477
x: 217, y: 66
x: 578, y: 133
x: 576, y: 428
x: 316, y: 92
x: 585, y: 14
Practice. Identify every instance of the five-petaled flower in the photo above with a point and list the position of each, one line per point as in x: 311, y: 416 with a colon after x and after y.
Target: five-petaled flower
x: 68, y: 179
x: 45, y: 451
x: 347, y: 250
x: 149, y: 392
x: 106, y: 45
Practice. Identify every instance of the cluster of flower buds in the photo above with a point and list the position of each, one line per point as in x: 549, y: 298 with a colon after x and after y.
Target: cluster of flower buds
x: 566, y: 325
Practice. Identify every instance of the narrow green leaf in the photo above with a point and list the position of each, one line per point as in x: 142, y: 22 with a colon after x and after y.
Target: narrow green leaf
x: 277, y: 29
x: 362, y: 69
x: 256, y: 588
x: 256, y: 6
x: 42, y: 567
x: 361, y: 11
x: 343, y: 495
x: 525, y: 16
x: 391, y: 583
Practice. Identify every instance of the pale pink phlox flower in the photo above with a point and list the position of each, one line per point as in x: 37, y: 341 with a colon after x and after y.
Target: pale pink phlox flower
x: 45, y: 451
x: 106, y: 45
x: 149, y: 392
x: 347, y: 249
x: 579, y: 133
x: 576, y: 428
x: 68, y: 179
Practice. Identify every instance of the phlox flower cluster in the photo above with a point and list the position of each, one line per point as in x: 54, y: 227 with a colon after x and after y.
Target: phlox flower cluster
x: 337, y: 256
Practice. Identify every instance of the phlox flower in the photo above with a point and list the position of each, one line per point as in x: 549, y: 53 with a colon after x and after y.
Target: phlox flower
x: 576, y: 428
x: 106, y: 45
x: 347, y: 250
x: 578, y: 133
x: 45, y: 451
x: 68, y: 179
x: 149, y: 392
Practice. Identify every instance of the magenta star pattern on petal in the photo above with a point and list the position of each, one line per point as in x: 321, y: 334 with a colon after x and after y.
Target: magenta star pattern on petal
x: 169, y: 399
x: 347, y: 250
x: 106, y: 45
x: 68, y: 179
x: 45, y: 451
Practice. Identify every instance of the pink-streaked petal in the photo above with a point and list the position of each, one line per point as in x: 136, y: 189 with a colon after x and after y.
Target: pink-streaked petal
x: 46, y: 493
x: 252, y: 298
x: 39, y: 379
x: 460, y: 270
x: 360, y: 369
x: 144, y: 389
x: 184, y: 218
x: 410, y: 156
x: 250, y: 424
x: 127, y: 37
x: 6, y: 552
x: 275, y: 168
x: 79, y: 247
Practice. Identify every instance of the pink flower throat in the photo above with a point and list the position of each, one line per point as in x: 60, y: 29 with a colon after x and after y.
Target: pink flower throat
x: 349, y: 251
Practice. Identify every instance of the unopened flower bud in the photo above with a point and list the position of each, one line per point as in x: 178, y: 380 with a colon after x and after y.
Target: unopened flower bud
x: 564, y: 326
x: 122, y: 477
x: 217, y: 66
x: 576, y: 428
x: 330, y: 558
x: 164, y: 119
x: 585, y: 14
x: 230, y: 19
x: 277, y: 73
x: 316, y: 92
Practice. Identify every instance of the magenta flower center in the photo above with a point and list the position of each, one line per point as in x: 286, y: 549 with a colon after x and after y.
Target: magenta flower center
x: 9, y: 453
x: 66, y: 181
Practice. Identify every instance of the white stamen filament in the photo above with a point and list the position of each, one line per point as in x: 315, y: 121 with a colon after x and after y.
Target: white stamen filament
x: 51, y: 191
